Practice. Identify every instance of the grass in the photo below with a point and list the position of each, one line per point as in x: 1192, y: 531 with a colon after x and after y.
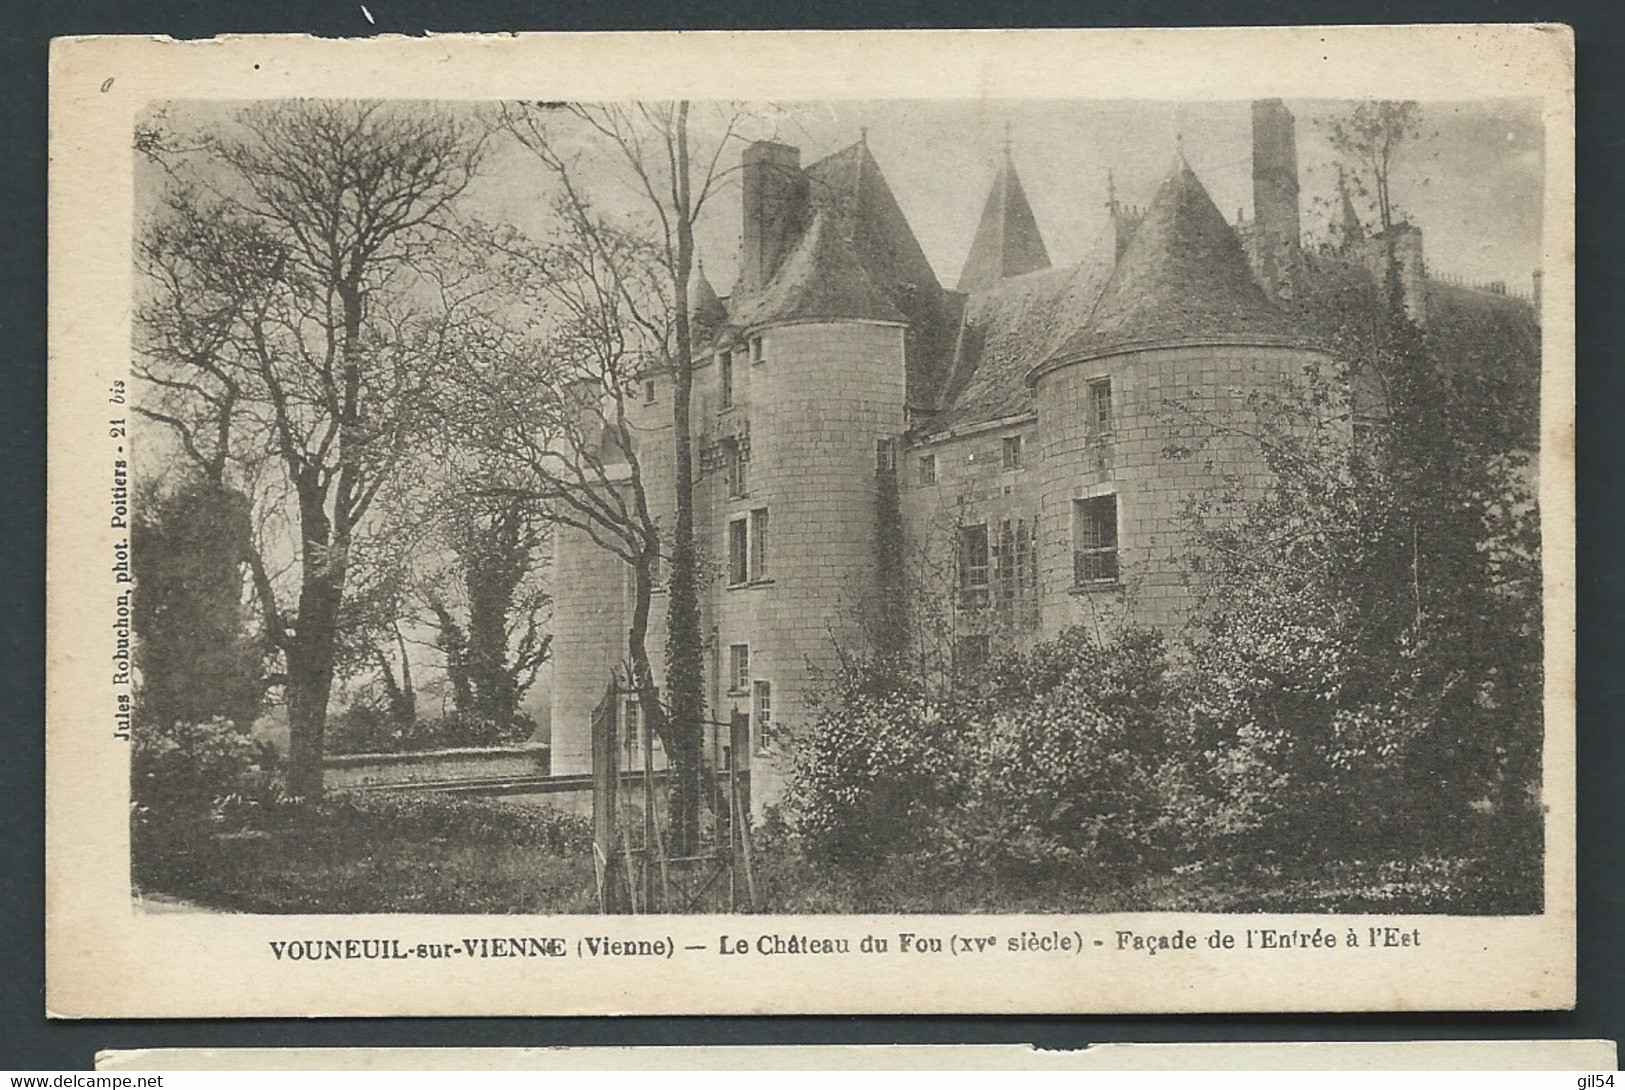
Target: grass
x: 403, y: 853
x: 909, y: 885
x: 431, y: 854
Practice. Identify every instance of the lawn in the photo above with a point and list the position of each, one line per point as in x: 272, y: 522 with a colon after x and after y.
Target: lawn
x: 431, y: 854
x: 395, y: 853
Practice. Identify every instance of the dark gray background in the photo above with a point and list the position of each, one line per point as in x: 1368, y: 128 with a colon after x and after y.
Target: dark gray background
x: 28, y: 1042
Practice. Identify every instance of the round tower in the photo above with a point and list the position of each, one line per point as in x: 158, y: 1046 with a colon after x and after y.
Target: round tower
x: 1180, y: 337
x: 818, y: 396
x: 591, y: 602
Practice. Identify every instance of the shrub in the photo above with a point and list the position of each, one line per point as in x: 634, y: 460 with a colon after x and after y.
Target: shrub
x: 430, y: 816
x: 1062, y: 754
x: 878, y: 770
x: 365, y: 728
x: 1079, y: 762
x: 194, y: 772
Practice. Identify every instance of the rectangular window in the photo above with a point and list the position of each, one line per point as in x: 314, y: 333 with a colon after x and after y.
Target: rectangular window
x: 739, y: 668
x: 928, y: 469
x: 758, y: 543
x: 738, y: 552
x: 1005, y: 564
x: 733, y: 463
x: 633, y: 723
x: 1100, y: 405
x: 758, y: 352
x: 973, y: 564
x: 1094, y: 540
x: 762, y: 698
x: 885, y: 455
x: 648, y: 391
x: 1012, y: 452
x: 725, y: 377
x: 972, y: 652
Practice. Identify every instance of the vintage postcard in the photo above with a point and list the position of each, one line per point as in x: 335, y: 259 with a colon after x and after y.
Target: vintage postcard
x: 812, y: 523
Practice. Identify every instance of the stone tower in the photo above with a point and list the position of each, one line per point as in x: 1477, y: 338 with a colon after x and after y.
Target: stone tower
x: 1181, y: 331
x: 817, y: 365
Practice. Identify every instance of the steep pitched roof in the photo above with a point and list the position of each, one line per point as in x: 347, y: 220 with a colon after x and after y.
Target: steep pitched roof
x: 850, y: 190
x: 1007, y: 241
x: 1183, y: 277
x: 822, y: 278
x: 1009, y: 326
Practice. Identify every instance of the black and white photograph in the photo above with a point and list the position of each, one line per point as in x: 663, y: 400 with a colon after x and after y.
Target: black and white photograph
x: 1026, y: 508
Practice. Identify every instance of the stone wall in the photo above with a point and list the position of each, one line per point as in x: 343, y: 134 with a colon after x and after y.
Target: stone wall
x: 1161, y: 453
x: 434, y: 766
x: 972, y: 487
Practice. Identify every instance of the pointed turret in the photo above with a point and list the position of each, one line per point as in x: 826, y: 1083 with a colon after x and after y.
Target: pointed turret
x: 1183, y: 278
x: 706, y: 314
x: 1007, y: 240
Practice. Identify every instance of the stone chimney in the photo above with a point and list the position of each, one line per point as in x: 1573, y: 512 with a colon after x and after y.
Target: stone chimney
x: 1404, y: 242
x: 775, y: 200
x: 1275, y: 198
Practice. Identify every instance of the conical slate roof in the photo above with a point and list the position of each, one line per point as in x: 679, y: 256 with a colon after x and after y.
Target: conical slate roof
x: 706, y: 314
x: 849, y: 188
x: 1007, y: 240
x: 821, y: 279
x: 1183, y: 278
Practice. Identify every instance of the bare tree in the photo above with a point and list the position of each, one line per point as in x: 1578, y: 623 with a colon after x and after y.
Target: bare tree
x: 657, y: 154
x: 286, y: 328
x: 538, y: 416
x: 1373, y: 136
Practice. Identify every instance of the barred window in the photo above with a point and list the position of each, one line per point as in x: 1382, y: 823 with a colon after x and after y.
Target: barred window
x: 633, y: 722
x: 762, y: 698
x: 1100, y: 405
x: 758, y: 543
x: 973, y: 564
x: 1094, y: 540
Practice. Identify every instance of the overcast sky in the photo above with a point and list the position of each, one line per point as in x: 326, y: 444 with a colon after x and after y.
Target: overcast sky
x: 1473, y: 182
